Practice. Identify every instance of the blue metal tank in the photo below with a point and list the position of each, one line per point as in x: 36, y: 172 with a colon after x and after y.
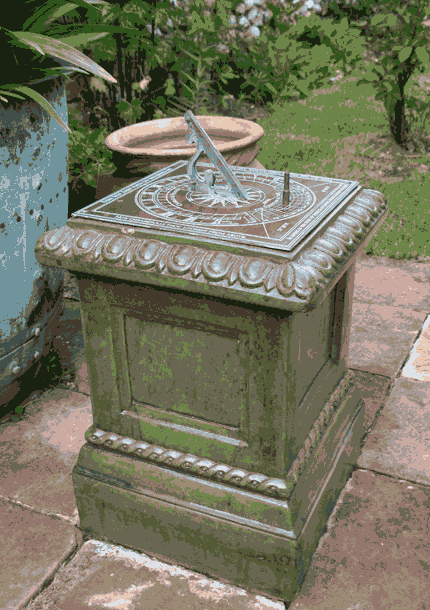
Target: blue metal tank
x: 33, y: 199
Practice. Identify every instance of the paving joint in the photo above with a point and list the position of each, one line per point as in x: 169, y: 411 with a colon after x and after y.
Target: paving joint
x: 390, y: 476
x: 40, y: 512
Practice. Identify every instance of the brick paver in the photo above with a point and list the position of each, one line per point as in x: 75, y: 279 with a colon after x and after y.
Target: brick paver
x: 38, y: 453
x: 375, y: 555
x: 32, y: 548
x: 399, y: 443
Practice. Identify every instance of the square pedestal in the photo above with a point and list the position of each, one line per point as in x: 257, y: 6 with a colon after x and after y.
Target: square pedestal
x: 225, y: 420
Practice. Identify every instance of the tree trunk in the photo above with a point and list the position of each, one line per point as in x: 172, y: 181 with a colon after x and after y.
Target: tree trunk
x: 398, y: 125
x: 395, y: 105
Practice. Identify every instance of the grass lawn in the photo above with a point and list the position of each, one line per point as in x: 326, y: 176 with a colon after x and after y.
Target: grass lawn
x: 341, y: 131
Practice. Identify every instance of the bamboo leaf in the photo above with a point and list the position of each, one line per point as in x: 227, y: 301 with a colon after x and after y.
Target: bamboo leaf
x: 39, y: 16
x: 60, y: 71
x: 59, y: 12
x: 61, y: 50
x: 34, y: 95
x: 62, y: 10
x: 63, y: 31
x: 12, y: 94
x: 44, y: 15
x: 81, y: 39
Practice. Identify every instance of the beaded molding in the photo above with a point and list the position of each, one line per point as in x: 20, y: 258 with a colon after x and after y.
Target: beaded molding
x: 187, y: 462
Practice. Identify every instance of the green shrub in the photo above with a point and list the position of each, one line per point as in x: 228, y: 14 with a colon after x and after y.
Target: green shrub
x: 88, y: 155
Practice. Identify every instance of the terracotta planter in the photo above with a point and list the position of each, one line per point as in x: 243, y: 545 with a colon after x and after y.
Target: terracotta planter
x: 144, y: 148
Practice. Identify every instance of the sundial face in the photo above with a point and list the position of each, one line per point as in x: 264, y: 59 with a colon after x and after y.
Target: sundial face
x: 207, y: 202
x: 163, y: 203
x: 173, y: 200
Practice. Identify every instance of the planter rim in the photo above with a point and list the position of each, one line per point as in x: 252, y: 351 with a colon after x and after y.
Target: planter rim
x: 116, y: 140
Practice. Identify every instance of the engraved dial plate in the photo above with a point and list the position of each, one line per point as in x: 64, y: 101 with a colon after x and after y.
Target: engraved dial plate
x: 164, y: 202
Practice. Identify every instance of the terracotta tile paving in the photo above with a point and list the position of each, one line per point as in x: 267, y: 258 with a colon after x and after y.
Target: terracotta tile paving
x: 399, y: 442
x: 375, y: 555
x: 39, y: 452
x: 110, y: 576
x: 382, y: 337
x: 400, y: 283
x: 32, y: 548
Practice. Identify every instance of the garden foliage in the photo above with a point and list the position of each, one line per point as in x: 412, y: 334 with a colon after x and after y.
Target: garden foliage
x: 30, y: 56
x: 168, y: 58
x: 399, y: 42
x: 190, y: 57
x: 191, y: 50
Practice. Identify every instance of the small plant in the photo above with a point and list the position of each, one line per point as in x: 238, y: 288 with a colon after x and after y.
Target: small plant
x: 53, y: 370
x: 232, y: 106
x: 130, y: 112
x: 88, y: 155
x: 196, y: 98
x: 52, y: 365
x: 19, y: 411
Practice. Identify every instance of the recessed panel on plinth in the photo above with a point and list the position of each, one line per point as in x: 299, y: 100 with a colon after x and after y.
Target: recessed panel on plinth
x: 216, y: 306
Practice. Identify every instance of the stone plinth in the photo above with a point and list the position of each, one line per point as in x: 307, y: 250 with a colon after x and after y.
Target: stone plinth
x: 225, y: 420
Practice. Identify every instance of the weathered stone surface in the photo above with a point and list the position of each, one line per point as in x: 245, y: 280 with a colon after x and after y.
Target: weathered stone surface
x: 33, y: 546
x: 382, y: 337
x: 39, y: 452
x: 374, y: 390
x: 418, y: 364
x: 384, y: 281
x: 107, y: 576
x: 375, y: 555
x: 399, y: 443
x: 71, y: 290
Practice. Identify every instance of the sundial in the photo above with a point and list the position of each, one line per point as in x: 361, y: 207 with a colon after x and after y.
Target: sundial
x: 214, y: 201
x: 216, y: 304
